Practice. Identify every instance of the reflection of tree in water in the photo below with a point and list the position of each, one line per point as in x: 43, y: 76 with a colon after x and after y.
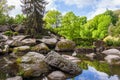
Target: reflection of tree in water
x: 103, y: 67
x: 115, y: 69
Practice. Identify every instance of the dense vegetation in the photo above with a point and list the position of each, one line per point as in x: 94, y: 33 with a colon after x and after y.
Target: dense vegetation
x: 104, y: 26
x: 80, y: 30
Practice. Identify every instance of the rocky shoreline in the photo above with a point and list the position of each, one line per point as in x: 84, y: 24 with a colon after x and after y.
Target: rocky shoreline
x: 24, y: 57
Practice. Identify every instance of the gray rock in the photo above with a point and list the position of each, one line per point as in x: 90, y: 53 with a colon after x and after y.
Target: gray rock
x: 57, y: 75
x: 19, y: 28
x: 111, y: 52
x: 33, y: 65
x: 29, y: 41
x: 15, y: 78
x: 113, y: 59
x: 41, y: 48
x: 91, y: 56
x: 6, y: 49
x: 16, y: 43
x: 71, y: 58
x: 3, y: 37
x: 19, y: 37
x: 21, y: 48
x: 51, y: 42
x: 65, y: 45
x: 4, y: 28
x: 57, y: 61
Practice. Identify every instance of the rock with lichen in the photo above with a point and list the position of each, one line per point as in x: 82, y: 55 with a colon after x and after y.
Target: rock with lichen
x: 32, y: 65
x: 65, y: 45
x: 41, y: 48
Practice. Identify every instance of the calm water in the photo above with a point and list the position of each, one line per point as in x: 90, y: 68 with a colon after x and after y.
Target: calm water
x: 93, y: 74
x: 99, y: 71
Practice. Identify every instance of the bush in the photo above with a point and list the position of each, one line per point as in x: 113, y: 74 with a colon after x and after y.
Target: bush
x: 112, y: 41
x: 10, y: 33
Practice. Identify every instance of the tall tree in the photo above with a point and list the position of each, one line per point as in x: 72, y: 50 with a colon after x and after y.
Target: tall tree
x: 34, y: 10
x: 52, y: 19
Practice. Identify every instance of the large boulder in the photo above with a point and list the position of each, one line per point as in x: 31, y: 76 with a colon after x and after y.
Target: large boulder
x: 3, y: 37
x: 19, y: 28
x: 57, y: 75
x: 51, y: 42
x: 41, y: 48
x: 15, y: 43
x: 71, y: 58
x: 113, y: 59
x: 4, y: 28
x: 32, y: 65
x: 65, y: 45
x: 111, y: 52
x: 20, y: 51
x: 57, y: 61
x: 19, y: 37
x: 29, y: 41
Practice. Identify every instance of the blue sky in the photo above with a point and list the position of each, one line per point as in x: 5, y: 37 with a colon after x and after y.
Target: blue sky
x: 88, y: 8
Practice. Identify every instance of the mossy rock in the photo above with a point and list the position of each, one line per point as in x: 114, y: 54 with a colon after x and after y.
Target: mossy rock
x: 32, y: 65
x: 65, y: 45
x: 41, y: 48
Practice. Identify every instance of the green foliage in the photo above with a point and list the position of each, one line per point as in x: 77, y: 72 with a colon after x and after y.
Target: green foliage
x: 52, y: 19
x: 10, y: 33
x: 19, y: 19
x: 71, y: 25
x: 112, y: 41
x: 80, y: 30
x: 4, y: 9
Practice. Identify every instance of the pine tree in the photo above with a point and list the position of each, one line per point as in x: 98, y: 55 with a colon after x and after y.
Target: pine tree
x: 34, y: 10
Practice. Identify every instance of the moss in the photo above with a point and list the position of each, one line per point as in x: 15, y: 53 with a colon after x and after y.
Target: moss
x: 15, y: 50
x: 8, y: 33
x: 65, y: 45
x: 18, y: 61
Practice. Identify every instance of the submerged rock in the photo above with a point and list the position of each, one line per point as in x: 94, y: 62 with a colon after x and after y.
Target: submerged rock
x: 57, y: 61
x: 32, y: 65
x: 65, y: 45
x: 57, y: 75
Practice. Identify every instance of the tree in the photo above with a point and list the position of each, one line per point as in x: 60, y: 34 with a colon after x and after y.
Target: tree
x: 71, y: 25
x: 52, y: 19
x: 4, y: 9
x: 19, y: 19
x: 34, y: 10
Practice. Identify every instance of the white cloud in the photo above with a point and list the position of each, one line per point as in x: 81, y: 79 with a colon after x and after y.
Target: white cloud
x: 97, y: 6
x: 80, y: 3
x: 51, y: 5
x: 17, y: 9
x: 103, y: 5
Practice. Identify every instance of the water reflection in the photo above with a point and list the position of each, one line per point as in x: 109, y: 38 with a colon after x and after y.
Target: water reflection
x: 93, y: 74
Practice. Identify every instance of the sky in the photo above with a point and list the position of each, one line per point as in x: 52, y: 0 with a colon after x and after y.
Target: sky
x: 88, y: 8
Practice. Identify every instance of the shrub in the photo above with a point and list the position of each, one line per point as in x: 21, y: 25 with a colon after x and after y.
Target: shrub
x: 112, y: 41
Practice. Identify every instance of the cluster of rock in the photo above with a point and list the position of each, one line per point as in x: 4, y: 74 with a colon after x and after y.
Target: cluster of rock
x: 38, y: 58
